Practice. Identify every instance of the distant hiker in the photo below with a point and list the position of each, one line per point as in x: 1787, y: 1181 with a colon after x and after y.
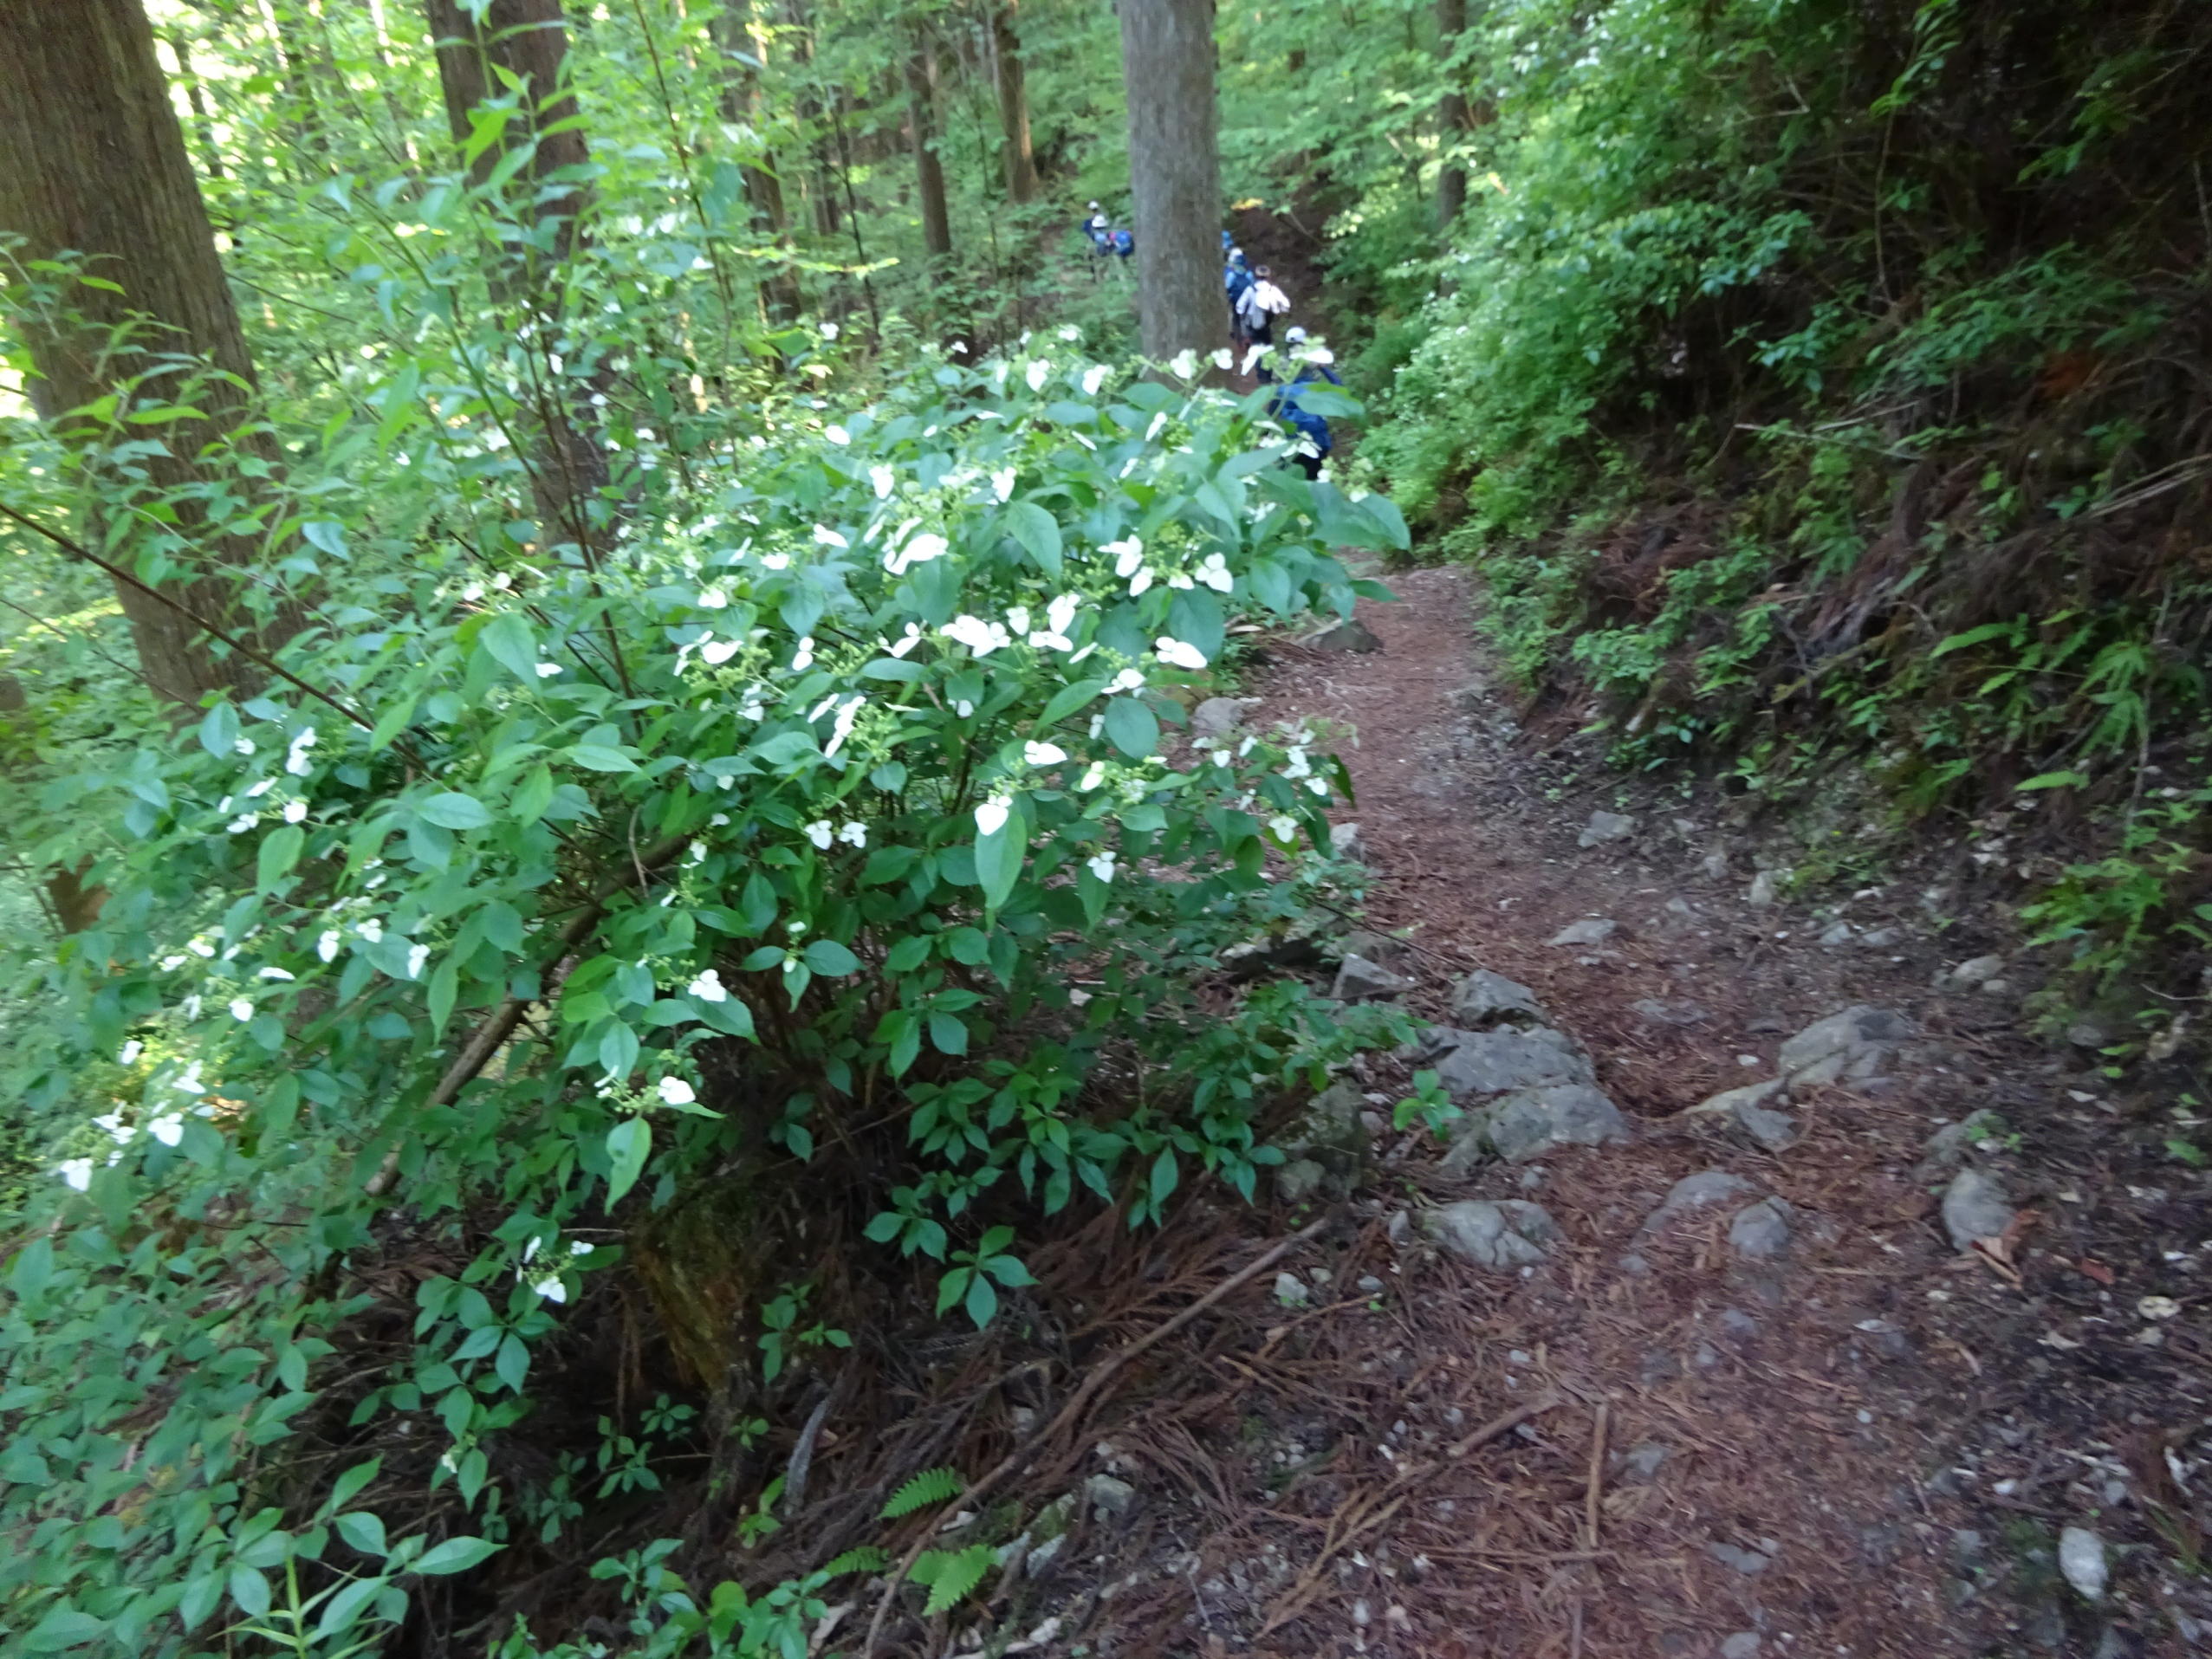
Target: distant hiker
x: 1314, y: 441
x: 1258, y: 307
x: 1100, y: 237
x: 1236, y: 281
x: 1124, y: 244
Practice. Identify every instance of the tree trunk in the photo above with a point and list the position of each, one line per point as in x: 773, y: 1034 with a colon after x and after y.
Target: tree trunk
x: 929, y: 171
x: 1451, y: 117
x: 1167, y: 66
x: 92, y: 157
x: 822, y: 188
x: 1013, y: 107
x: 739, y: 40
x: 529, y: 38
x: 180, y: 48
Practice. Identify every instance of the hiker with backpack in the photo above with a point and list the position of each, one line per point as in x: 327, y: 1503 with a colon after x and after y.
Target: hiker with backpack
x: 1236, y: 281
x: 1314, y: 441
x: 1260, y: 306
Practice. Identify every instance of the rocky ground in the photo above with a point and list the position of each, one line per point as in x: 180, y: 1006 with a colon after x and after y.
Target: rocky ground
x: 1773, y: 1293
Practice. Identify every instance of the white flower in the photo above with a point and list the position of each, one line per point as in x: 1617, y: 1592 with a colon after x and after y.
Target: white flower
x: 1223, y: 357
x: 1043, y: 753
x: 1299, y: 766
x: 371, y: 931
x: 243, y: 822
x: 260, y: 789
x: 1283, y: 826
x: 1252, y: 357
x: 775, y: 561
x: 77, y: 1172
x: 1129, y: 679
x: 675, y: 1092
x: 242, y: 1008
x: 853, y: 834
x: 1102, y: 865
x: 1061, y: 612
x: 547, y: 670
x: 1098, y: 724
x: 295, y: 757
x: 715, y: 652
x: 964, y: 708
x: 327, y: 946
x: 578, y: 1247
x: 842, y: 728
x: 243, y: 745
x: 829, y: 331
x: 980, y: 636
x: 199, y: 947
x: 1181, y: 582
x: 187, y: 1081
x: 908, y: 640
x: 1214, y: 573
x: 821, y: 832
x: 551, y: 1289
x: 296, y: 812
x: 1141, y: 583
x: 1036, y: 374
x: 884, y: 481
x: 131, y: 1051
x: 171, y: 964
x: 1003, y: 483
x: 1070, y: 332
x: 1176, y: 654
x: 992, y: 816
x: 278, y: 974
x: 1127, y: 555
x: 923, y: 547
x: 708, y: 987
x: 1318, y: 786
x: 829, y: 538
x: 1157, y: 425
x: 168, y: 1129
x: 1093, y: 775
x: 1184, y: 364
x: 804, y: 659
x: 1094, y: 378
x: 837, y: 435
x: 712, y: 599
x: 1017, y: 619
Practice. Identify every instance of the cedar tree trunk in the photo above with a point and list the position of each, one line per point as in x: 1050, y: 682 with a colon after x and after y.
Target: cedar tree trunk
x: 1167, y: 66
x: 1012, y: 105
x: 743, y: 48
x: 1451, y: 116
x: 929, y: 171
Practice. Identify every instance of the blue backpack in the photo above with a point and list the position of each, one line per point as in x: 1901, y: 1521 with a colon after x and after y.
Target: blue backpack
x: 1124, y: 243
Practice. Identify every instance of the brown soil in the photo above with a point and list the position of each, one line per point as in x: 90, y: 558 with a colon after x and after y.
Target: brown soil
x: 1897, y: 1432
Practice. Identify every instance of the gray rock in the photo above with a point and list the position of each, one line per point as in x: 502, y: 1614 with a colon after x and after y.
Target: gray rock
x: 1299, y: 1180
x: 1974, y: 1208
x: 1751, y: 1094
x: 1484, y: 999
x: 1660, y: 1012
x: 1846, y: 1047
x: 1218, y: 716
x: 1881, y: 939
x: 1973, y: 972
x: 1349, y: 635
x: 1700, y: 1191
x: 1716, y: 866
x: 1252, y: 958
x: 1744, y: 1644
x: 1040, y: 1558
x: 1369, y: 1283
x: 1383, y: 949
x: 1291, y: 1291
x: 2087, y: 1033
x: 1640, y: 1463
x: 1359, y: 980
x: 2082, y: 1559
x: 1605, y: 827
x: 1760, y: 1231
x: 1949, y: 1146
x: 1838, y: 936
x: 1345, y: 843
x: 1760, y: 893
x: 1770, y: 1130
x: 1749, y: 1563
x: 1737, y: 1324
x: 1399, y: 1229
x: 1328, y: 1131
x: 1502, y: 1233
x: 1498, y: 1062
x: 1590, y: 930
x: 1108, y: 1496
x: 1532, y: 1122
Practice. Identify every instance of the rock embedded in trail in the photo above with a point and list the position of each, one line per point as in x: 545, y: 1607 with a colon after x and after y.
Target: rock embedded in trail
x: 1769, y: 1131
x: 1974, y: 1208
x: 1659, y: 1012
x: 1594, y: 930
x: 1484, y: 999
x: 1328, y: 1132
x: 1499, y: 1234
x: 1761, y: 1231
x: 1531, y: 1123
x: 1970, y: 974
x: 1760, y: 893
x: 1359, y: 980
x: 1694, y: 1192
x: 1345, y: 843
x: 1299, y: 1180
x: 1349, y: 635
x: 1218, y: 716
x: 1499, y: 1062
x: 2082, y: 1559
x: 1744, y: 1644
x: 1948, y: 1147
x: 1851, y: 1046
x: 1605, y: 827
x: 1109, y: 1498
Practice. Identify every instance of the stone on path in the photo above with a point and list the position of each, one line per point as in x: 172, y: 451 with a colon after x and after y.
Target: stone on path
x: 1660, y: 1012
x: 1974, y: 1208
x: 1846, y: 1047
x: 1699, y: 1191
x: 1760, y: 893
x: 1605, y: 827
x: 2081, y: 1558
x: 1761, y: 1231
x: 1218, y: 716
x: 1349, y: 635
x: 1532, y: 1122
x: 1345, y: 843
x: 1500, y: 1234
x: 1359, y: 980
x: 1948, y: 1147
x: 1744, y: 1644
x: 1328, y: 1132
x: 1108, y: 1497
x: 1500, y: 1061
x: 1485, y: 999
x: 1291, y: 1291
x: 1971, y: 973
x: 1594, y: 930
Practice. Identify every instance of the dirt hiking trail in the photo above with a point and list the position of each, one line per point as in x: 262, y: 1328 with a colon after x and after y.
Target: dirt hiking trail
x: 1657, y: 1381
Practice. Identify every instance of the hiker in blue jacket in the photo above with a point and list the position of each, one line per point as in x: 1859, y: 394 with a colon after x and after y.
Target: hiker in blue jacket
x: 1237, y: 282
x: 1315, y: 443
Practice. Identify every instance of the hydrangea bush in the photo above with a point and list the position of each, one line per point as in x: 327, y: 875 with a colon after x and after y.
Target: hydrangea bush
x: 845, y: 780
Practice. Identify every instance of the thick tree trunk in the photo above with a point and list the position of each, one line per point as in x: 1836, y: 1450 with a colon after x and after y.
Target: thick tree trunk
x: 1451, y: 117
x: 1012, y: 105
x: 92, y: 157
x: 928, y: 170
x: 1167, y: 66
x: 529, y: 38
x: 743, y: 48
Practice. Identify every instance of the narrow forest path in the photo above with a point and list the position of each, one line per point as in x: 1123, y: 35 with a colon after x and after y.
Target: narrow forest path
x: 1748, y: 1399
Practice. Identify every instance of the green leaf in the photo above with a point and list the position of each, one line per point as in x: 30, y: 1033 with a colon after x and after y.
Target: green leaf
x: 628, y: 1144
x: 364, y: 1531
x: 597, y: 757
x: 998, y: 859
x: 931, y: 1486
x: 250, y: 1590
x: 981, y: 1300
x: 393, y: 720
x: 953, y: 1576
x: 455, y: 811
x: 2054, y: 780
x: 455, y: 1555
x: 827, y: 956
x: 535, y: 795
x: 219, y: 731
x: 63, y: 1627
x: 326, y: 534
x: 1038, y: 532
x: 1066, y: 701
x: 1163, y: 1175
x: 508, y: 640
x: 340, y: 1612
x: 1131, y: 727
x: 280, y: 851
x: 908, y: 954
x: 948, y: 1035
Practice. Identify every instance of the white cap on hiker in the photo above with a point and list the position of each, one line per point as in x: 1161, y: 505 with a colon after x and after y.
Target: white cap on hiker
x: 1294, y: 336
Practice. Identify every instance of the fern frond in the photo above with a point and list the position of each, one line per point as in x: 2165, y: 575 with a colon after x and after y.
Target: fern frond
x: 952, y: 1575
x: 867, y: 1559
x: 931, y: 1486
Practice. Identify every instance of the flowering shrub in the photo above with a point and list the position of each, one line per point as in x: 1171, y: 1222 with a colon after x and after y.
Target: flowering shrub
x: 852, y: 767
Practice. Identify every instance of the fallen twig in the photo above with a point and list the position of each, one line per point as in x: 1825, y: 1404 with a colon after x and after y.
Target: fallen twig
x: 1077, y: 1403
x: 1590, y: 1502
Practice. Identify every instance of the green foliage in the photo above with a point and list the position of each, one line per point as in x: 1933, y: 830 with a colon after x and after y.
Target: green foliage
x: 930, y: 1486
x: 952, y: 1575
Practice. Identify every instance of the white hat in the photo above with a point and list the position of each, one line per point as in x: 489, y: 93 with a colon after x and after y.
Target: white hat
x: 1294, y: 336
x: 1236, y: 253
x: 1094, y: 204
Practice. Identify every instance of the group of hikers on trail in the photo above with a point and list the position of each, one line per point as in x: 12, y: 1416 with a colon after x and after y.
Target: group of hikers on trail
x: 1255, y: 305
